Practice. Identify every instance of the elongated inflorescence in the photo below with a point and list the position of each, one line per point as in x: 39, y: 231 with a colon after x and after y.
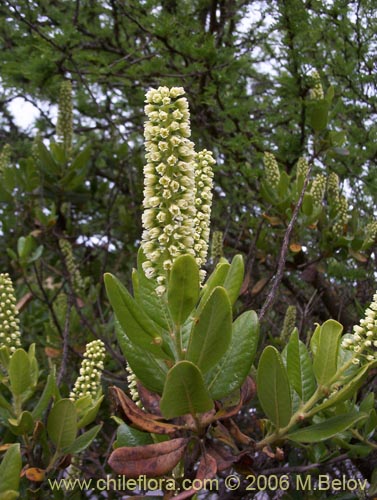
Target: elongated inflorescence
x: 9, y: 323
x: 89, y: 379
x: 364, y: 338
x: 177, y: 186
x: 272, y: 170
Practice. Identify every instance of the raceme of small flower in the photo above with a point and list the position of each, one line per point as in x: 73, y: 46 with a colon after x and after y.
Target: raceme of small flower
x: 341, y: 217
x: 72, y: 269
x: 132, y: 386
x: 217, y: 245
x: 10, y: 335
x: 302, y: 168
x: 363, y: 341
x: 64, y: 127
x: 170, y: 185
x: 317, y: 189
x: 89, y: 379
x: 316, y: 92
x: 4, y: 157
x: 370, y: 232
x: 203, y: 202
x: 289, y: 322
x: 272, y: 170
x: 333, y: 187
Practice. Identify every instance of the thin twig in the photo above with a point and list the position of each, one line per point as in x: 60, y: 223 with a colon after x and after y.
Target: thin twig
x: 284, y: 249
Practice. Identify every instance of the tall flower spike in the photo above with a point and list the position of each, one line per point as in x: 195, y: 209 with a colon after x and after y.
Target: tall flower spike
x: 289, y: 322
x: 302, y: 168
x: 4, y: 157
x: 341, y: 217
x: 272, y: 170
x: 77, y: 281
x: 318, y: 189
x: 217, y: 246
x: 203, y: 203
x: 64, y: 127
x: 89, y: 379
x: 316, y: 92
x: 333, y: 187
x: 363, y: 341
x: 9, y: 323
x: 132, y: 386
x: 370, y: 233
x: 169, y: 183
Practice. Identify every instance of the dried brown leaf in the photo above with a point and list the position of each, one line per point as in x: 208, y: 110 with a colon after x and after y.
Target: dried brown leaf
x: 151, y: 460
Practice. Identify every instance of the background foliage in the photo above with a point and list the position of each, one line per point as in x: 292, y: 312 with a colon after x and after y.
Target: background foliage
x: 247, y: 69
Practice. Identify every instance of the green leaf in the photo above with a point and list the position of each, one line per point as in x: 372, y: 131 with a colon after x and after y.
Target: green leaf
x: 326, y: 429
x: 299, y: 367
x: 46, y: 396
x: 325, y: 359
x: 5, y: 404
x: 234, y: 278
x: 19, y: 372
x: 10, y: 469
x: 82, y: 159
x: 314, y: 340
x: 307, y: 205
x: 318, y: 114
x: 24, y: 424
x: 184, y: 391
x: 146, y: 296
x: 274, y: 392
x: 46, y: 161
x: 89, y: 414
x: 217, y: 278
x: 150, y: 371
x: 212, y: 331
x: 62, y: 423
x: 348, y: 389
x: 83, y: 441
x: 128, y: 436
x: 138, y: 327
x: 183, y: 288
x: 230, y: 372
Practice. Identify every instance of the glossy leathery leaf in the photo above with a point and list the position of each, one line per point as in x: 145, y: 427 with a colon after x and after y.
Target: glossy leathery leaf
x: 274, y: 392
x: 146, y: 296
x: 217, y: 278
x: 47, y: 394
x: 234, y: 278
x: 348, y: 390
x: 299, y: 367
x: 19, y: 371
x: 83, y: 441
x: 150, y: 460
x: 149, y: 370
x: 230, y: 372
x: 128, y: 436
x: 24, y: 424
x: 90, y: 413
x: 10, y: 469
x: 325, y: 359
x: 326, y: 429
x: 62, y: 423
x: 183, y: 288
x: 317, y: 112
x: 212, y: 331
x: 184, y: 391
x: 136, y: 324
